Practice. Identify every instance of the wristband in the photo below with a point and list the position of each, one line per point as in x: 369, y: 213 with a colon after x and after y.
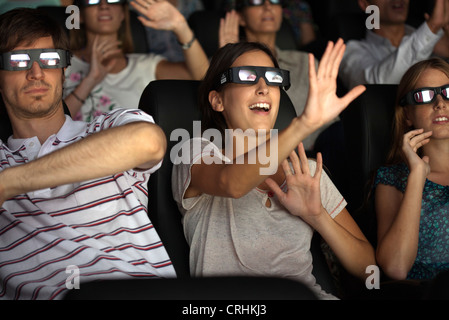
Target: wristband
x: 78, y: 98
x: 187, y: 45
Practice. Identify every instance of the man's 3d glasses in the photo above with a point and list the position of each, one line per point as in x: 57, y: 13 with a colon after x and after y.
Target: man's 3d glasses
x: 23, y: 59
x: 252, y: 74
x: 86, y: 3
x: 425, y: 95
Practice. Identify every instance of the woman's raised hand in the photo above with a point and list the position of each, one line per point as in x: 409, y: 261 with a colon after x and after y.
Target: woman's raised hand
x: 323, y: 104
x: 159, y: 14
x: 303, y: 197
x: 100, y: 58
x: 229, y: 29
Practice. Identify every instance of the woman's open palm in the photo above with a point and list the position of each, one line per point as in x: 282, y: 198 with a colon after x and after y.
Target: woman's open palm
x: 323, y: 104
x: 303, y: 197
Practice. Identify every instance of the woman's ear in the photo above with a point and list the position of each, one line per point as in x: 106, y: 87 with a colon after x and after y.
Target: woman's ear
x: 216, y: 101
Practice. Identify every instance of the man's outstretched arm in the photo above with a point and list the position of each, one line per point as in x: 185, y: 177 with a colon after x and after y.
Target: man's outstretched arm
x: 139, y: 145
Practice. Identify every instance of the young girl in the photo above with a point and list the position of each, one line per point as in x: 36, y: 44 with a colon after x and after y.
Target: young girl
x: 105, y: 74
x: 239, y: 221
x: 412, y: 192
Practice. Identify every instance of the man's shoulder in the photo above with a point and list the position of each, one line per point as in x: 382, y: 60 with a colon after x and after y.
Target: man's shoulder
x: 118, y: 117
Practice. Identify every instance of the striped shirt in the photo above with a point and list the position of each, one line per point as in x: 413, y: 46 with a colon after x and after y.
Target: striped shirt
x: 51, y: 240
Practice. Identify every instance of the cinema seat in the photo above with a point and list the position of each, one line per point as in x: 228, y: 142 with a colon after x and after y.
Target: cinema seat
x: 367, y: 125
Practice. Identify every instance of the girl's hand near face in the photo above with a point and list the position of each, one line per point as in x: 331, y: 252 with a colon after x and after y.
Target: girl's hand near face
x: 100, y: 59
x: 303, y: 198
x: 323, y: 104
x: 412, y: 141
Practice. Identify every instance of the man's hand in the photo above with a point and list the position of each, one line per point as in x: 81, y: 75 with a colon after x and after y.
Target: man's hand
x: 439, y: 17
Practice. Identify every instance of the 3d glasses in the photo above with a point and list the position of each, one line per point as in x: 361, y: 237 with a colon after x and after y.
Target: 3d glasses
x: 251, y: 75
x: 425, y: 95
x: 86, y: 3
x: 23, y: 59
x: 252, y: 3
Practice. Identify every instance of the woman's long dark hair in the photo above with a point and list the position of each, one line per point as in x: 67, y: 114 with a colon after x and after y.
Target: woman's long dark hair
x: 221, y: 61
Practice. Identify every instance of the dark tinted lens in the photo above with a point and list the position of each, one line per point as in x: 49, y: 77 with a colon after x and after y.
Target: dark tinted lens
x: 50, y: 59
x: 445, y: 92
x: 274, y: 76
x: 95, y: 2
x: 256, y: 2
x: 247, y: 75
x: 424, y: 96
x: 20, y: 60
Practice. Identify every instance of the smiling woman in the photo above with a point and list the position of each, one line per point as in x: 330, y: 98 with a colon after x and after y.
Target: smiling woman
x: 105, y: 74
x: 240, y: 219
x: 411, y: 192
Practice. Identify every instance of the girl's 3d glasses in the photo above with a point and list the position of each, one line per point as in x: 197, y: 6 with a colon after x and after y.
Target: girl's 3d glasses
x: 86, y: 3
x: 23, y: 59
x: 425, y: 95
x: 252, y: 3
x: 252, y: 74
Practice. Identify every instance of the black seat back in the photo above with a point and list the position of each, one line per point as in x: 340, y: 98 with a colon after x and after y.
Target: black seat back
x: 5, y: 125
x: 367, y: 124
x: 172, y: 103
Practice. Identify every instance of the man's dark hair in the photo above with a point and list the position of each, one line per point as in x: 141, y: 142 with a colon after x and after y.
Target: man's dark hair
x: 23, y: 26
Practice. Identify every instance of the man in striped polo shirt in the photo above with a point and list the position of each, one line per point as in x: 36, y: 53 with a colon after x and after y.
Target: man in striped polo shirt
x: 73, y: 195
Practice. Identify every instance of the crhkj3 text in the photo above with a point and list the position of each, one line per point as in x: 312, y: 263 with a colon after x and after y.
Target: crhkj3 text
x: 232, y: 309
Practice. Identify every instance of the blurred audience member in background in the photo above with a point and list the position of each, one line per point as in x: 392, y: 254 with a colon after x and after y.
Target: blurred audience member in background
x: 384, y: 55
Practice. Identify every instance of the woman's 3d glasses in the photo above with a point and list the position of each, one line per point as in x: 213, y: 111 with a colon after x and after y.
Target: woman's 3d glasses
x: 425, y: 95
x: 251, y: 75
x: 23, y: 59
x: 86, y: 3
x: 252, y: 3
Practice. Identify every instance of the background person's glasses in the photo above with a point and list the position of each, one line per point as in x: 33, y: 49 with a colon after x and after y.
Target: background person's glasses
x: 96, y: 2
